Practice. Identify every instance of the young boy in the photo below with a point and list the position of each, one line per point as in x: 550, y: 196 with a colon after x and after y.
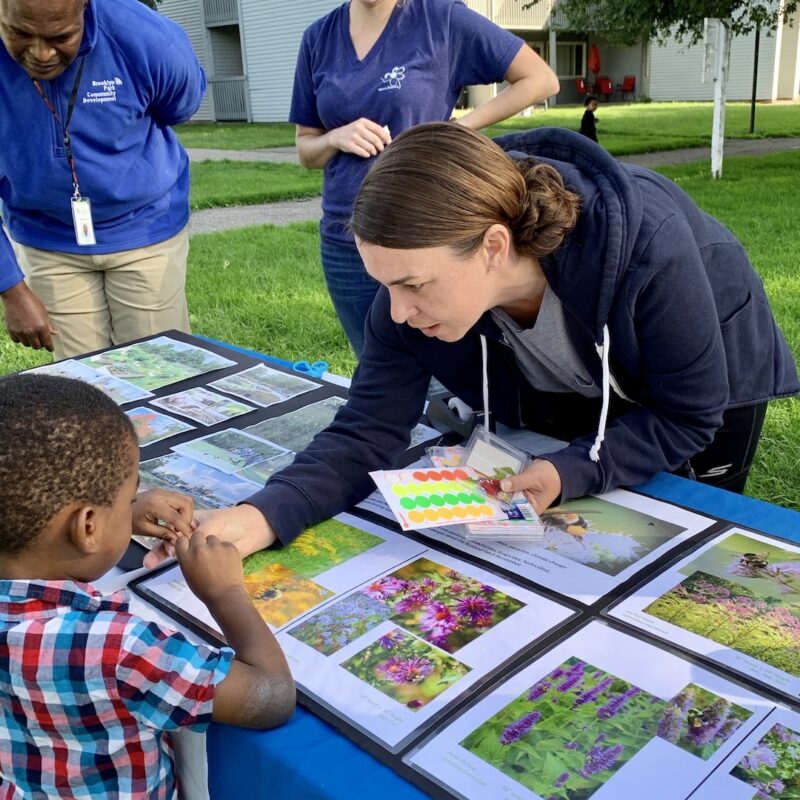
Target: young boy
x: 89, y: 691
x: 589, y: 123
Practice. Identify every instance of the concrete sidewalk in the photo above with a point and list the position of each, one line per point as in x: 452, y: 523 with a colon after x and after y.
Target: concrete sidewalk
x: 221, y: 219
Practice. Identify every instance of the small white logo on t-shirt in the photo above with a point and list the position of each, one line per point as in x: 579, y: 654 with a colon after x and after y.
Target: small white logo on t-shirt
x: 393, y: 79
x: 103, y: 91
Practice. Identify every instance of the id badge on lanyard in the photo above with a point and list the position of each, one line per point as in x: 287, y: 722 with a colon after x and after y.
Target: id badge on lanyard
x: 82, y: 221
x: 81, y: 206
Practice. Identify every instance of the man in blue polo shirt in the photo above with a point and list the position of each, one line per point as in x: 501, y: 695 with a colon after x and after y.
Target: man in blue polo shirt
x: 94, y: 184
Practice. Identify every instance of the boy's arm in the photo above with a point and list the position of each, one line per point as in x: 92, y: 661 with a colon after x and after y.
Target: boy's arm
x: 258, y: 691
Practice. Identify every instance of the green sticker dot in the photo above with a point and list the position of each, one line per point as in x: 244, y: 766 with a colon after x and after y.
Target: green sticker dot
x: 422, y: 501
x: 451, y: 499
x: 465, y: 498
x: 408, y: 503
x: 437, y: 500
x: 478, y: 498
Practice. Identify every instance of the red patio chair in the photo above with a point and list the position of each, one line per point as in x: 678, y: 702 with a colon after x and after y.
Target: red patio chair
x: 628, y: 86
x: 604, y: 86
x: 580, y: 86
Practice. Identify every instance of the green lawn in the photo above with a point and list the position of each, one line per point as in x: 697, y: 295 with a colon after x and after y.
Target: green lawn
x: 626, y: 128
x: 623, y: 128
x: 262, y: 288
x: 232, y: 183
x: 236, y: 135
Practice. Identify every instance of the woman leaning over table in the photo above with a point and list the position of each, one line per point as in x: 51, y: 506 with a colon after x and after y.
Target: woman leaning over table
x: 373, y: 68
x: 593, y: 300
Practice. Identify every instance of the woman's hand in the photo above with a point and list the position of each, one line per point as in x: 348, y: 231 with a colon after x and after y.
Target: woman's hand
x: 363, y: 138
x: 163, y: 514
x: 243, y: 526
x: 540, y: 482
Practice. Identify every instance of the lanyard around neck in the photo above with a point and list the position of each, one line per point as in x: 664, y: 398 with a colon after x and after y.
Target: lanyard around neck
x: 64, y: 125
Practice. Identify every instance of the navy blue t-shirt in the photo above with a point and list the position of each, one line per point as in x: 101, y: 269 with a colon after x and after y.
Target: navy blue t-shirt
x: 428, y: 51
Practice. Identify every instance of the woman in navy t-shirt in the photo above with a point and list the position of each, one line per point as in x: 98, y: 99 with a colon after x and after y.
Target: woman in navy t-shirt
x: 369, y: 70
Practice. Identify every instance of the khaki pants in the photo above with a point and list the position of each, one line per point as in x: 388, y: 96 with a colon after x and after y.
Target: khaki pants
x: 97, y: 301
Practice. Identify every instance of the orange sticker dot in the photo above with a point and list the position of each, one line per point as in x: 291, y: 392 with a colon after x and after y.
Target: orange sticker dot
x: 447, y: 475
x: 416, y: 516
x: 420, y: 476
x: 460, y: 511
x: 460, y: 475
x: 487, y: 511
x: 446, y: 513
x: 431, y: 514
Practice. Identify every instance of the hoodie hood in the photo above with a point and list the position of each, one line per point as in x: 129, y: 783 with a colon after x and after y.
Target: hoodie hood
x: 608, y: 223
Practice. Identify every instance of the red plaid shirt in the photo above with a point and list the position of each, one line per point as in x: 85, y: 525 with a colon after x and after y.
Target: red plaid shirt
x: 88, y: 692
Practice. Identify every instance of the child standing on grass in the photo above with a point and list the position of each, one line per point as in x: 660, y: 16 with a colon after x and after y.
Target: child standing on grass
x: 589, y: 121
x: 89, y: 692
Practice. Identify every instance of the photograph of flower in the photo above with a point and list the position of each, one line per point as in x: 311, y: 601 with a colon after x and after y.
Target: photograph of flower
x: 152, y: 426
x: 438, y: 604
x: 295, y: 430
x: 700, y: 721
x: 602, y: 535
x: 156, y: 363
x: 569, y: 733
x: 772, y: 767
x: 733, y: 616
x: 406, y: 669
x: 281, y: 595
x: 316, y: 549
x: 230, y: 450
x: 263, y: 385
x: 340, y: 623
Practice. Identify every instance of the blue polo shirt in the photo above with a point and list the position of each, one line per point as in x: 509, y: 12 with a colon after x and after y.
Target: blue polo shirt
x: 428, y: 51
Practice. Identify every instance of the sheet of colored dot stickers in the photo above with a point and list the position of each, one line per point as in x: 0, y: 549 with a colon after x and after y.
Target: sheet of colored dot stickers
x: 426, y: 497
x: 601, y: 715
x: 735, y: 600
x: 396, y: 653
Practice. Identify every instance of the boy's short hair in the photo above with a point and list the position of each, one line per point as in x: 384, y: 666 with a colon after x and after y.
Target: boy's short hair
x: 590, y: 98
x: 61, y: 441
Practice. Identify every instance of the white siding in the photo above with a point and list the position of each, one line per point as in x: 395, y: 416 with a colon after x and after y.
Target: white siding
x: 676, y: 69
x: 189, y: 15
x: 789, y: 66
x: 272, y: 32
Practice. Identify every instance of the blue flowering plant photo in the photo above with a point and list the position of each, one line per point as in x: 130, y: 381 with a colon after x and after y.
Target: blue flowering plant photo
x: 772, y: 767
x: 570, y: 732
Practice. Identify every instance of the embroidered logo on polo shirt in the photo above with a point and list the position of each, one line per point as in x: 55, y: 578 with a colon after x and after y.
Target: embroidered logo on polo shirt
x: 393, y: 79
x: 103, y: 91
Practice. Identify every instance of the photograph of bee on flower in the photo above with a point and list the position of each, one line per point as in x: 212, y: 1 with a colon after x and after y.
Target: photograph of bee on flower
x: 743, y: 593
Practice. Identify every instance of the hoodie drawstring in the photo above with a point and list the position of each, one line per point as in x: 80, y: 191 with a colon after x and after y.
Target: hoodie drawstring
x: 485, y: 361
x: 602, y: 351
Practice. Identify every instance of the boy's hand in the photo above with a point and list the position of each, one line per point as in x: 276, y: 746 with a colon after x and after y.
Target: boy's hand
x: 540, y: 482
x: 211, y: 567
x: 161, y: 506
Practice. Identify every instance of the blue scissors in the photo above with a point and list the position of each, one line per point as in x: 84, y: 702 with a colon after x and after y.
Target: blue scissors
x: 315, y: 370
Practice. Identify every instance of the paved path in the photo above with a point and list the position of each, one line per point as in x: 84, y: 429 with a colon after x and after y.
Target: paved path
x: 220, y: 219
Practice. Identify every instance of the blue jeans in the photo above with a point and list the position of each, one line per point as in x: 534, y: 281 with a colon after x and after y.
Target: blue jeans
x: 351, y: 289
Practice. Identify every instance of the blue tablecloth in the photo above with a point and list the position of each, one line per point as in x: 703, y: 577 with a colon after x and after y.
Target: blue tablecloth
x: 308, y: 760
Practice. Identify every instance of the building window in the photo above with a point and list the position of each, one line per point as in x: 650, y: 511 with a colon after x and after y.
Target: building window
x: 538, y: 47
x: 570, y: 59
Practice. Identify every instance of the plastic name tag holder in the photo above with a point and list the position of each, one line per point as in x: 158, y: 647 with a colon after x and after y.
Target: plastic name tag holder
x: 495, y: 459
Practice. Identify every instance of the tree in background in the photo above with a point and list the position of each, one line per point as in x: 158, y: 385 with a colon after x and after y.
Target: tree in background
x: 631, y: 22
